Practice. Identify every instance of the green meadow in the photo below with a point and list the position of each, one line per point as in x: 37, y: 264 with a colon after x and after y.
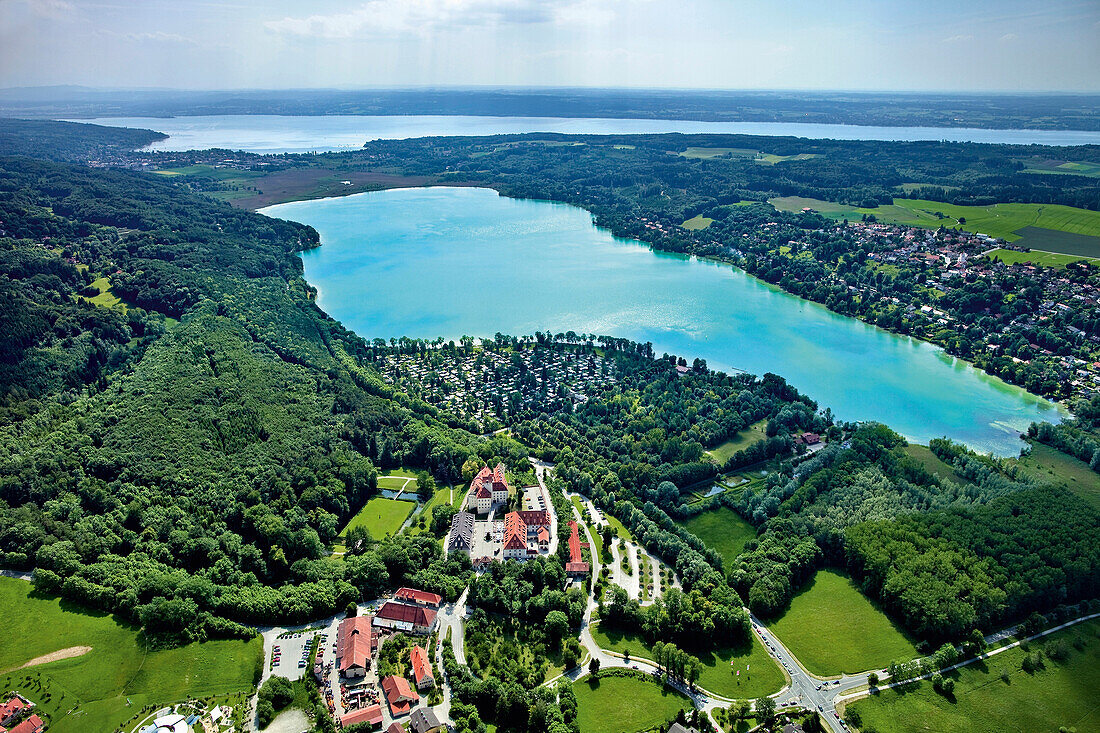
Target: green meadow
x: 614, y: 704
x: 1035, y: 257
x: 697, y: 222
x: 759, y: 675
x: 1047, y: 464
x: 105, y: 688
x: 723, y: 530
x: 834, y: 629
x: 996, y: 695
x: 381, y: 516
x: 745, y: 438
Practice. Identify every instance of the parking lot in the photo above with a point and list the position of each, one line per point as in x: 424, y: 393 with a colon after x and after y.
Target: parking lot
x: 288, y: 654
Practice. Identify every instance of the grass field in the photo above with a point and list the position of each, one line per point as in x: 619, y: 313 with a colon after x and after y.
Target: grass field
x: 759, y: 674
x: 721, y: 529
x: 932, y: 463
x: 832, y: 628
x: 1063, y: 243
x: 772, y: 159
x: 382, y: 517
x: 750, y: 435
x: 1035, y: 257
x: 697, y: 222
x: 1060, y: 694
x: 996, y: 220
x: 90, y: 692
x: 1046, y: 463
x: 625, y: 704
x: 708, y: 153
x: 1092, y: 170
x: 106, y: 298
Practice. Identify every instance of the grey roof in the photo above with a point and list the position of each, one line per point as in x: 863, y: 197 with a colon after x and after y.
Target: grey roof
x: 461, y: 536
x: 678, y: 728
x: 423, y: 719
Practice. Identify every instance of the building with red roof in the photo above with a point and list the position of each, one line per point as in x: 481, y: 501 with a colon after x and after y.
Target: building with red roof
x: 576, y: 564
x: 395, y: 728
x: 371, y: 715
x: 488, y: 488
x: 405, y: 617
x: 421, y: 668
x: 515, y: 536
x: 356, y: 645
x: 422, y: 597
x: 32, y: 724
x: 399, y: 695
x: 13, y: 708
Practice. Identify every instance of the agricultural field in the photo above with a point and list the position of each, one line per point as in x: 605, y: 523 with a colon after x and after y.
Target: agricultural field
x: 749, y: 436
x: 1082, y: 168
x: 996, y: 695
x: 997, y: 220
x: 697, y: 222
x: 1045, y: 463
x: 772, y: 159
x: 721, y: 529
x: 107, y: 686
x: 1035, y: 257
x: 832, y: 628
x: 708, y: 153
x: 615, y: 704
x: 382, y: 517
x: 1055, y: 242
x: 758, y: 676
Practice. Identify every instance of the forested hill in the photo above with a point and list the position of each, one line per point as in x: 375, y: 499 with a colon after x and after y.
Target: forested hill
x: 71, y: 140
x: 183, y: 431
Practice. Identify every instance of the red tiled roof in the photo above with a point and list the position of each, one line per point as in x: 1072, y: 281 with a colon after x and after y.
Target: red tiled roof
x: 399, y: 694
x: 372, y: 715
x: 421, y: 668
x: 419, y: 596
x: 395, y: 728
x: 538, y: 517
x: 515, y: 532
x: 356, y: 642
x: 32, y: 724
x: 416, y: 615
x: 576, y: 567
x: 11, y: 707
x: 544, y: 534
x: 575, y: 555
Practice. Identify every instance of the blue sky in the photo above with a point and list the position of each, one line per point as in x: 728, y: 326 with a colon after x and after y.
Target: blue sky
x: 732, y: 44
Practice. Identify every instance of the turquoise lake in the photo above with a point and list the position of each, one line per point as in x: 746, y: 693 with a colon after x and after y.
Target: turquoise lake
x: 449, y: 262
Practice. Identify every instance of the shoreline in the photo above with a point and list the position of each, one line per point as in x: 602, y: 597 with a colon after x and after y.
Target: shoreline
x: 1062, y: 408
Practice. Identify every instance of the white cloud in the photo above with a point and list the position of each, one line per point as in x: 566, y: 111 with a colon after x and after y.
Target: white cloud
x: 961, y: 38
x: 414, y: 17
x: 1009, y: 37
x: 55, y: 9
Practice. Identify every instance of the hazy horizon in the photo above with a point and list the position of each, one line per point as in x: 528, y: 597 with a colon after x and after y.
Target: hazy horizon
x: 706, y: 45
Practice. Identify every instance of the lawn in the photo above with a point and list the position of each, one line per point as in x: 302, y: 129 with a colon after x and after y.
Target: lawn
x: 759, y: 674
x: 381, y: 516
x: 749, y: 436
x: 1035, y: 257
x: 832, y: 628
x: 932, y: 463
x: 1059, y: 694
x: 90, y: 692
x: 106, y: 297
x: 697, y: 222
x: 708, y: 153
x: 721, y: 529
x: 1056, y: 467
x: 613, y: 704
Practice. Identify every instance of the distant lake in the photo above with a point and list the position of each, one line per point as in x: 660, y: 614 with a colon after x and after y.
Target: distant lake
x: 291, y: 134
x: 449, y: 262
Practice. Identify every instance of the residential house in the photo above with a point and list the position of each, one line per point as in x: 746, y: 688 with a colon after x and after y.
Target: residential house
x: 424, y: 720
x: 403, y: 617
x: 680, y: 728
x: 399, y: 695
x: 32, y: 724
x: 356, y: 645
x: 421, y: 668
x: 13, y: 708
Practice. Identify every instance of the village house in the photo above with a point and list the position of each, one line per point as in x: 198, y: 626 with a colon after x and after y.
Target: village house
x: 421, y: 668
x: 424, y: 720
x: 13, y: 708
x: 403, y: 617
x: 33, y: 724
x: 515, y: 537
x: 399, y: 695
x: 356, y: 645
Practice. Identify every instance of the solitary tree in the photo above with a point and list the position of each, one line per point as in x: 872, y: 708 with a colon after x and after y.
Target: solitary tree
x: 765, y: 709
x: 594, y: 667
x: 872, y: 679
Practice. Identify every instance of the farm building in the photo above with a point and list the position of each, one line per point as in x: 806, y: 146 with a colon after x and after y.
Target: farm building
x: 356, y: 644
x: 421, y: 668
x: 399, y: 695
x: 371, y: 715
x: 403, y: 617
x: 419, y: 597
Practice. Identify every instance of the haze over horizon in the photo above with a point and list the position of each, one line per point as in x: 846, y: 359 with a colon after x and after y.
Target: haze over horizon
x: 798, y: 45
